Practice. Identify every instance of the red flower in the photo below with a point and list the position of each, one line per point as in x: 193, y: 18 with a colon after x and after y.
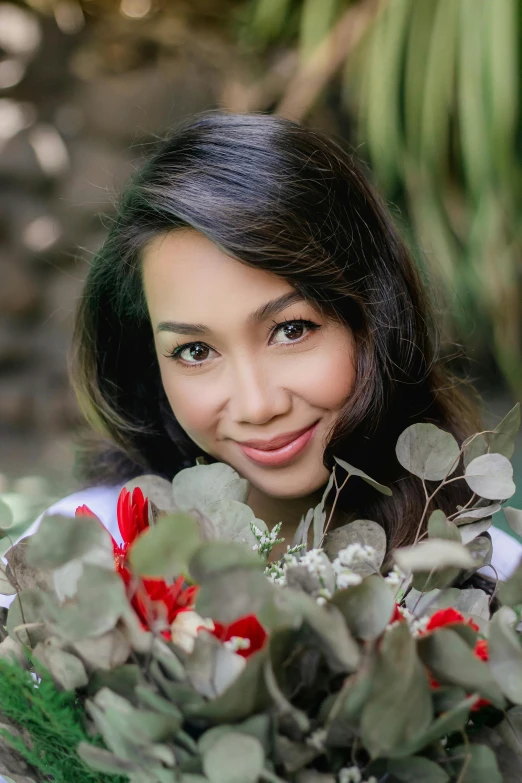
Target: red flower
x: 248, y: 631
x: 397, y: 615
x: 153, y: 600
x: 448, y: 617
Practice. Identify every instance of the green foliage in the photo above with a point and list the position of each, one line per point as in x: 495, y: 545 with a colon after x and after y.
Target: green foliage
x: 54, y: 721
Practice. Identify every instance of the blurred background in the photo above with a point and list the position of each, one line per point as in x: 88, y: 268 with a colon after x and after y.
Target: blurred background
x: 427, y: 92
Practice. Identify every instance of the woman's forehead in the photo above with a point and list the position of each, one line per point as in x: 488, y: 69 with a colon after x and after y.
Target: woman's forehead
x: 185, y: 273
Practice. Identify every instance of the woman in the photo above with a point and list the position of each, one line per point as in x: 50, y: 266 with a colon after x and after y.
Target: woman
x: 254, y: 304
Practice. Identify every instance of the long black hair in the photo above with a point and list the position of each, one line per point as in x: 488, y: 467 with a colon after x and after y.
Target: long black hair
x: 286, y: 199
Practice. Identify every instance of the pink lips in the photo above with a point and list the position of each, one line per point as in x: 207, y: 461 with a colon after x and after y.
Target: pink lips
x: 281, y: 455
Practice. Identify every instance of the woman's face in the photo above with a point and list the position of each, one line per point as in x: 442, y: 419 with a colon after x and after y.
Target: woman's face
x: 234, y: 372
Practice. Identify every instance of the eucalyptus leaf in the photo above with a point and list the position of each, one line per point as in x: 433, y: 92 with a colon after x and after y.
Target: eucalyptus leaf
x: 505, y: 655
x: 473, y: 529
x: 364, y: 476
x: 502, y: 439
x: 367, y: 607
x: 164, y: 551
x: 439, y: 526
x: 6, y: 516
x: 428, y: 452
x: 6, y: 587
x: 198, y: 486
x: 95, y: 610
x: 102, y: 760
x: 415, y: 769
x: 59, y: 540
x: 319, y: 514
x: 452, y: 662
x: 66, y: 669
x: 360, y: 531
x: 301, y: 533
x: 481, y: 550
x: 105, y: 652
x: 26, y: 610
x: 214, y: 557
x: 514, y: 519
x: 156, y: 489
x: 232, y: 520
x: 245, y: 753
x: 477, y: 764
x: 226, y: 596
x: 491, y: 477
x: 473, y: 447
x: 400, y: 707
x: 433, y: 554
x: 453, y: 720
x: 474, y: 514
x: 429, y: 602
x: 211, y: 667
x: 510, y: 592
x: 246, y: 696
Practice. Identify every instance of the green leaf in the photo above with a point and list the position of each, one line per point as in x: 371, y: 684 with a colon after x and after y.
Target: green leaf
x: 228, y: 595
x: 473, y: 529
x: 232, y: 520
x: 366, y: 607
x: 505, y: 655
x: 491, y: 477
x: 329, y: 628
x: 246, y: 696
x: 66, y: 669
x: 477, y: 764
x: 514, y: 519
x: 156, y: 489
x: 96, y: 609
x: 201, y: 485
x: 234, y: 758
x: 6, y: 588
x: 356, y: 472
x: 473, y: 447
x: 474, y: 514
x: 433, y: 554
x: 452, y: 720
x: 61, y: 539
x: 453, y: 662
x: 6, y: 516
x: 164, y: 551
x: 502, y: 439
x: 510, y: 592
x: 102, y: 760
x: 319, y: 515
x: 428, y: 452
x: 360, y: 531
x: 215, y: 557
x: 417, y: 768
x: 439, y: 526
x: 27, y: 609
x: 400, y: 707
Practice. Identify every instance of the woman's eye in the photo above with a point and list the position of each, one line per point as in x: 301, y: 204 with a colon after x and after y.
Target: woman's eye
x: 194, y: 353
x: 294, y: 330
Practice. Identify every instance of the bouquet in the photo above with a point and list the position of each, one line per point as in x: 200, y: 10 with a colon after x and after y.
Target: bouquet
x: 187, y: 655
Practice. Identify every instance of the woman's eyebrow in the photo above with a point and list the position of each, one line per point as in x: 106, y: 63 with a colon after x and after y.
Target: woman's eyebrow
x: 263, y: 312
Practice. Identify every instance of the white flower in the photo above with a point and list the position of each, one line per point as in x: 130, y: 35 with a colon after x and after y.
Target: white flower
x: 348, y: 579
x: 186, y: 627
x: 353, y: 554
x: 314, y: 561
x: 350, y: 775
x: 236, y: 643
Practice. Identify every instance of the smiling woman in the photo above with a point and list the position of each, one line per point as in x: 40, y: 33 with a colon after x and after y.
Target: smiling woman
x: 254, y: 304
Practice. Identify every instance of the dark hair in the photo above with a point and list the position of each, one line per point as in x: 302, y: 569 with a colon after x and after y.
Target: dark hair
x: 285, y: 199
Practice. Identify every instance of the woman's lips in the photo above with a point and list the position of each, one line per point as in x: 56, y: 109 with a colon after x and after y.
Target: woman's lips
x: 282, y: 455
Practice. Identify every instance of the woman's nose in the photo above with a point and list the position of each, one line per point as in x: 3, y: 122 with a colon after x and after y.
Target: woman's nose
x: 254, y: 394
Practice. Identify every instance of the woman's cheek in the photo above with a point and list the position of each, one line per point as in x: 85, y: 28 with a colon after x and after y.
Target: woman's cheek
x: 194, y: 407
